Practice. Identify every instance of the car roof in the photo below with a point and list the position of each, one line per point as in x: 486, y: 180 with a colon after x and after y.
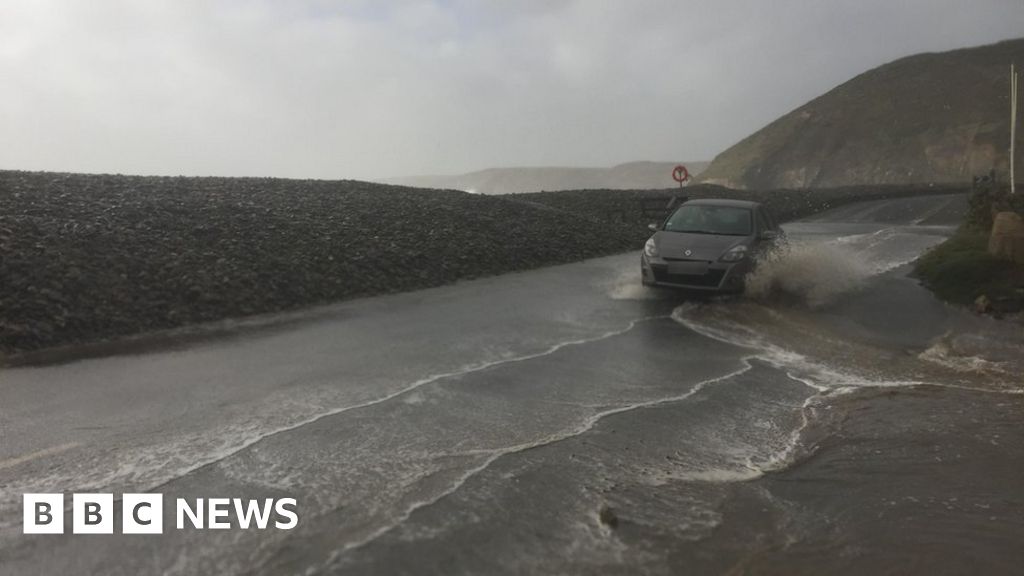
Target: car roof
x: 722, y: 202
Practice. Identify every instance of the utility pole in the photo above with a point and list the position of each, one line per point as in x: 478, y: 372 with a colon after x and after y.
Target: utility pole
x: 1013, y: 126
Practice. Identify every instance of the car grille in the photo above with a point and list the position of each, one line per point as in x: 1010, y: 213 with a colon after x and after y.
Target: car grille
x: 711, y: 279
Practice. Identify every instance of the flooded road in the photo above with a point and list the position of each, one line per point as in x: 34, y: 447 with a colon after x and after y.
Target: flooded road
x: 566, y: 420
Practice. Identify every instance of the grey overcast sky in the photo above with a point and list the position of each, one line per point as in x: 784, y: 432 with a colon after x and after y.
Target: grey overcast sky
x: 364, y: 89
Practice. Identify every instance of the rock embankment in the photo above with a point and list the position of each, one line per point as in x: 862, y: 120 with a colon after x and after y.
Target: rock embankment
x: 93, y: 257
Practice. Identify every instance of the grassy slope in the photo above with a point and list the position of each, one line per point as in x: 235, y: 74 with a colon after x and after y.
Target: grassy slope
x: 925, y: 118
x: 961, y: 270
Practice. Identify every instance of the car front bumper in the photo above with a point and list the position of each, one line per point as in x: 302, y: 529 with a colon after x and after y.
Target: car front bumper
x: 717, y: 277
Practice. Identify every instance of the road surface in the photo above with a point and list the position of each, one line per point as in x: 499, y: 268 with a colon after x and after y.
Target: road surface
x: 562, y: 420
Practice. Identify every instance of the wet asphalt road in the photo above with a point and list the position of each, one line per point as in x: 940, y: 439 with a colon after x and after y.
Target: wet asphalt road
x: 556, y: 421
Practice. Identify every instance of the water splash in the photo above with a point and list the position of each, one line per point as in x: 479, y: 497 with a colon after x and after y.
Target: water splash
x: 814, y: 274
x: 627, y: 286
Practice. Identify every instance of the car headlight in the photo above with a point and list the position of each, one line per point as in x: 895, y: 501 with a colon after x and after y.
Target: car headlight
x: 650, y: 248
x: 734, y: 254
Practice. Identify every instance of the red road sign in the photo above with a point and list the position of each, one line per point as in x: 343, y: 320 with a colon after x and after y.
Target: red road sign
x: 680, y: 174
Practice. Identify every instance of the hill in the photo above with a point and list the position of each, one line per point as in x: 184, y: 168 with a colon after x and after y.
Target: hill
x: 937, y: 117
x: 629, y: 176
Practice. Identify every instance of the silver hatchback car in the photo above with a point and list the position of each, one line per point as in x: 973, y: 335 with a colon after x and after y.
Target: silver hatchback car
x: 708, y: 245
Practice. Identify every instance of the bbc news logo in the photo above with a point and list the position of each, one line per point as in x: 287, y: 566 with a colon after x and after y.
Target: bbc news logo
x: 144, y: 513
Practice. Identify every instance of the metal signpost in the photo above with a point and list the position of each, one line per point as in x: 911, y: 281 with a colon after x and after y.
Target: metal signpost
x: 1013, y: 125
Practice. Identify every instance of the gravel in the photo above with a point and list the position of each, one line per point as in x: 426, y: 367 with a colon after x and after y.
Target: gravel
x: 94, y: 257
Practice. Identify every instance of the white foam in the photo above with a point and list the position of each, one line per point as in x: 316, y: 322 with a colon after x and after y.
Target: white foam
x: 784, y: 457
x: 414, y: 386
x: 490, y: 456
x: 750, y: 463
x: 153, y: 466
x: 941, y: 353
x: 815, y: 375
x: 831, y: 380
x: 715, y: 475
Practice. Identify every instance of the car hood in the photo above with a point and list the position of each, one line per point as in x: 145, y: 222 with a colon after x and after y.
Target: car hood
x: 701, y: 246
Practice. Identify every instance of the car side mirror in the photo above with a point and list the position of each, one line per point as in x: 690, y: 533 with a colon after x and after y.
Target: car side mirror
x: 652, y: 227
x: 769, y: 235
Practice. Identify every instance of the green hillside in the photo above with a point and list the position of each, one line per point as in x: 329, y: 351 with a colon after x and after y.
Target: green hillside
x: 940, y: 117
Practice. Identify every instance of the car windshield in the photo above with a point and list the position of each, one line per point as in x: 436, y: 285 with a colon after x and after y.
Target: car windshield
x: 700, y: 219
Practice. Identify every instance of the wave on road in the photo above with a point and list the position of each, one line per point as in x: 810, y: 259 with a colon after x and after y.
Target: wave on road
x: 796, y: 317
